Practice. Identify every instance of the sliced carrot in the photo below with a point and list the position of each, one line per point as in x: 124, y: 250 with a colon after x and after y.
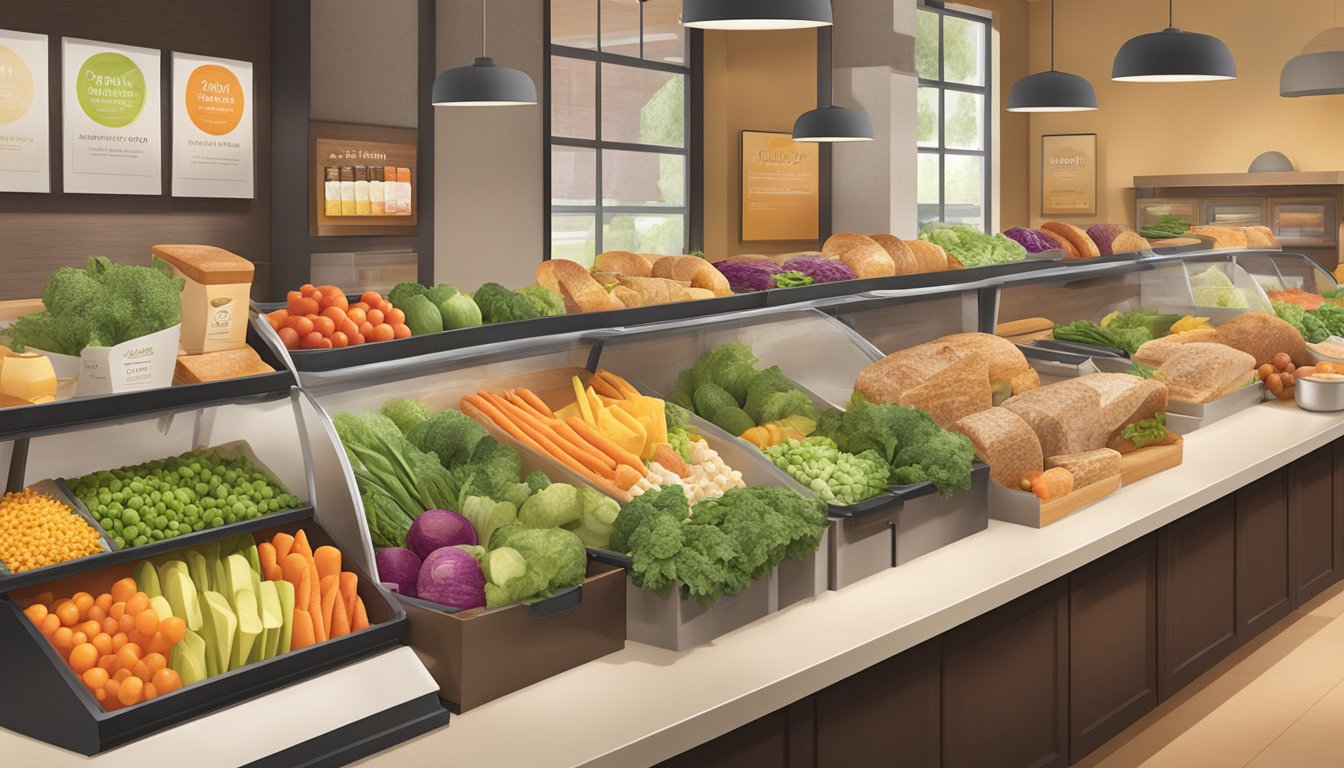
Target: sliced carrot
x: 604, y: 444
x: 328, y: 561
x: 541, y: 432
x: 269, y: 565
x: 618, y: 383
x: 283, y: 543
x: 331, y: 593
x: 602, y: 387
x: 536, y: 402
x: 349, y: 592
x: 295, y: 570
x: 301, y: 544
x: 513, y: 396
x: 573, y: 437
x: 302, y: 635
x: 360, y: 619
x: 626, y: 477
x: 340, y: 620
x: 488, y: 408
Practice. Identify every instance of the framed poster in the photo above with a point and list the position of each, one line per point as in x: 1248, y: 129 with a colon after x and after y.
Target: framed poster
x: 113, y: 135
x: 25, y: 140
x: 213, y: 127
x: 1069, y: 174
x: 364, y: 180
x: 781, y: 188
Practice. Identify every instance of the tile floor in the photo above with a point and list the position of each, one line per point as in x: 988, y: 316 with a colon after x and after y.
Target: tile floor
x: 1278, y: 702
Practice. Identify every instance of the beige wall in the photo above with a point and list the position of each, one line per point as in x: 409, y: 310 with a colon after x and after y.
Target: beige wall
x: 1010, y: 177
x: 488, y: 203
x: 1147, y: 128
x: 364, y: 62
x: 753, y: 81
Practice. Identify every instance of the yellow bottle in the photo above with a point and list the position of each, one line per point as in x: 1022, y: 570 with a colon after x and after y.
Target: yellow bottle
x: 361, y: 190
x: 331, y: 191
x: 347, y: 190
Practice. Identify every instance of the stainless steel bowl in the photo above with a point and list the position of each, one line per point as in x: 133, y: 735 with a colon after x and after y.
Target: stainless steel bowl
x: 1320, y: 394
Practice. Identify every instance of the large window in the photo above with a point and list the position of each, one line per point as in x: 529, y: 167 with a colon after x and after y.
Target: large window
x: 954, y: 134
x: 619, y: 82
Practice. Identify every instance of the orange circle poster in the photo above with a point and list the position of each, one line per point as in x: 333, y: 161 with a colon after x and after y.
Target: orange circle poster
x: 214, y: 99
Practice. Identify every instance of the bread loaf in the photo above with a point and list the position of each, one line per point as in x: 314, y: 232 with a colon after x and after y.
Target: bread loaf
x: 694, y: 271
x: 1201, y: 372
x: 1223, y: 237
x: 902, y: 257
x: 1125, y: 399
x: 1157, y: 351
x: 214, y: 366
x: 1082, y: 245
x: 1005, y: 442
x: 865, y: 257
x: 622, y: 263
x: 929, y: 256
x: 1259, y: 237
x: 1087, y: 467
x: 581, y: 291
x: 1066, y: 417
x: 1262, y: 335
x: 1129, y: 242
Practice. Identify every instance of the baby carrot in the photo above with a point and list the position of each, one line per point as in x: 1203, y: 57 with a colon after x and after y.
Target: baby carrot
x: 349, y: 592
x: 360, y: 619
x: 283, y: 543
x: 330, y: 594
x: 270, y: 567
x: 303, y: 634
x: 536, y: 402
x: 602, y: 443
x: 488, y: 408
x: 328, y: 561
x: 527, y: 421
x: 295, y: 570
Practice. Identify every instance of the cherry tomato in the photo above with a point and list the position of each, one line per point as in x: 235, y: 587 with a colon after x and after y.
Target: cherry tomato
x: 400, y: 331
x: 339, y: 340
x: 386, y: 307
x: 324, y: 325
x: 359, y: 305
x: 376, y: 316
x: 277, y: 318
x: 307, y: 289
x: 301, y: 325
x: 383, y: 332
x: 336, y: 314
x: 372, y: 298
x: 394, y: 316
x: 293, y: 296
x: 366, y: 330
x: 289, y: 337
x: 358, y: 314
x: 356, y: 339
x: 312, y: 341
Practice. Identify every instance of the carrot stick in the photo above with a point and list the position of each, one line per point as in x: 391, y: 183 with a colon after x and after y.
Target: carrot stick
x: 295, y: 570
x: 580, y: 454
x: 301, y: 544
x: 302, y: 634
x: 602, y: 443
x: 625, y: 477
x: 517, y: 399
x: 488, y: 408
x: 340, y: 621
x: 602, y: 387
x: 270, y: 567
x: 618, y: 383
x: 328, y: 560
x: 569, y: 434
x: 536, y: 402
x: 283, y: 542
x: 302, y: 547
x: 349, y: 591
x: 360, y: 618
x: 330, y: 593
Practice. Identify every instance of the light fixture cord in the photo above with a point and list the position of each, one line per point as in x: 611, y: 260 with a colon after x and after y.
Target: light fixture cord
x: 1171, y: 15
x: 1052, y: 35
x: 482, y: 28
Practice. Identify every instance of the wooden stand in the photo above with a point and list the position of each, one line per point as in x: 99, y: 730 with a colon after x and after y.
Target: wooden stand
x: 1147, y: 462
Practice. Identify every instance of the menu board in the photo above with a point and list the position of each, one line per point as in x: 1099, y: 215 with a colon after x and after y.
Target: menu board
x: 364, y: 180
x: 1069, y: 175
x: 781, y: 188
x: 113, y: 137
x: 212, y: 127
x: 25, y: 143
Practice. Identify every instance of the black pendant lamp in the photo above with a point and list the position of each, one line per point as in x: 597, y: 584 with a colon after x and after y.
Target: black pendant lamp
x: 1173, y: 56
x: 756, y: 14
x: 829, y: 123
x: 483, y: 84
x: 1052, y: 91
x: 1319, y: 69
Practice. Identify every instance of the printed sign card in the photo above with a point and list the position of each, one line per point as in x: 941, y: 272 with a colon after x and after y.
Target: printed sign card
x: 25, y: 144
x: 212, y: 127
x: 113, y: 141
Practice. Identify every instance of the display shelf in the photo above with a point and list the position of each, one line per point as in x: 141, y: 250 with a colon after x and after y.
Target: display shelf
x: 31, y: 420
x: 46, y: 700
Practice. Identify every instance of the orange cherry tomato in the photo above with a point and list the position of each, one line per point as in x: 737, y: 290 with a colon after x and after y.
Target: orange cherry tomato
x: 293, y: 296
x: 108, y: 663
x: 68, y: 613
x: 386, y: 307
x: 357, y: 315
x: 376, y: 316
x: 301, y: 325
x: 324, y: 344
x: 63, y: 640
x: 335, y: 314
x: 103, y: 601
x: 277, y: 318
x: 119, y: 641
x: 50, y: 623
x: 366, y: 330
x: 305, y: 306
x: 128, y: 655
x: 147, y: 622
x: 324, y: 325
x: 166, y: 681
x: 339, y: 339
x: 358, y: 305
x: 138, y: 602
x: 372, y: 298
x: 90, y: 628
x: 311, y: 341
x: 356, y: 338
x: 395, y: 316
x: 96, y: 614
x: 130, y: 690
x: 348, y: 327
x: 174, y: 628
x: 289, y: 337
x: 83, y: 658
x: 400, y: 331
x: 94, y: 678
x: 307, y: 289
x: 111, y: 626
x: 103, y: 642
x: 123, y: 590
x: 383, y: 332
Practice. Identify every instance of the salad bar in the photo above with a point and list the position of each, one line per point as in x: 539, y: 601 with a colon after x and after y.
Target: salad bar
x: 483, y: 475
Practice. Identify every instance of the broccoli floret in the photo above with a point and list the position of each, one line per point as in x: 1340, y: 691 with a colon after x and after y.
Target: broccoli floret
x: 402, y: 292
x: 451, y: 435
x: 782, y: 405
x: 142, y: 300
x: 944, y: 459
x: 492, y: 469
x: 547, y: 303
x: 405, y: 413
x: 537, y: 481
x: 764, y: 384
x: 501, y: 305
x: 669, y: 501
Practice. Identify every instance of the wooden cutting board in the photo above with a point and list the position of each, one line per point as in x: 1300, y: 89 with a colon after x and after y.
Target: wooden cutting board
x: 1147, y: 462
x: 1026, y: 330
x: 1057, y: 509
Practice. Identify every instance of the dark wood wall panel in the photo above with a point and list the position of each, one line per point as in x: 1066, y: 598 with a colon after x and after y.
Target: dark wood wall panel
x: 1112, y: 644
x: 763, y: 742
x: 39, y: 233
x: 1312, y: 529
x: 1196, y: 594
x: 887, y: 712
x: 1263, y: 594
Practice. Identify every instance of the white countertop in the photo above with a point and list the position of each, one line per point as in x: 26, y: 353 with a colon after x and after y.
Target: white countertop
x: 643, y: 704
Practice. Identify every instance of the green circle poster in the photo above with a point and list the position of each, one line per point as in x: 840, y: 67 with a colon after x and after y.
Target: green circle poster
x: 110, y: 89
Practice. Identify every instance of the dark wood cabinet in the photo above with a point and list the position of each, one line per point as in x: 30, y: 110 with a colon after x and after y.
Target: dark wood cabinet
x: 1112, y: 644
x: 1196, y: 594
x: 1313, y: 532
x: 768, y: 742
x: 1005, y: 685
x: 885, y: 715
x: 1263, y: 593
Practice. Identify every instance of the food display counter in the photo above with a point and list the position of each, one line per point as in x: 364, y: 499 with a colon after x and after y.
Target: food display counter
x: 941, y: 579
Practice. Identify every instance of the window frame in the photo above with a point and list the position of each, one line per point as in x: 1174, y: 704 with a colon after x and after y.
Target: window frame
x: 689, y: 151
x: 986, y: 91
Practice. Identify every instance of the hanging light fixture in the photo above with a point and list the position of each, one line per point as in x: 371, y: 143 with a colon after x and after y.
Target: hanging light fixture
x: 1173, y: 56
x: 756, y: 14
x: 483, y: 84
x: 1319, y: 69
x: 829, y: 123
x: 1052, y: 91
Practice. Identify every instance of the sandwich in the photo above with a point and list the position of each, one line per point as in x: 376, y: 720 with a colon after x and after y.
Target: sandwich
x: 1087, y: 467
x: 1005, y: 442
x: 1130, y: 405
x: 1066, y: 417
x: 951, y: 377
x: 1262, y: 335
x: 1157, y: 351
x: 1203, y: 372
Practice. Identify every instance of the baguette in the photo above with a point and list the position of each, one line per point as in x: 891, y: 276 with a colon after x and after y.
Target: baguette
x: 1082, y: 246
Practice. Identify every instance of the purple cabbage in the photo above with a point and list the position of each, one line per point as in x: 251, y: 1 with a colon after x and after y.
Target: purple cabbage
x: 1033, y: 240
x: 750, y: 276
x: 820, y: 268
x: 400, y: 566
x: 438, y: 528
x: 452, y: 577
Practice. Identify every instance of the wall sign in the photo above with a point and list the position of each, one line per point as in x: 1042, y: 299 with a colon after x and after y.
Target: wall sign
x: 364, y: 180
x: 212, y: 127
x: 781, y: 188
x: 1069, y: 175
x: 25, y: 140
x: 113, y: 142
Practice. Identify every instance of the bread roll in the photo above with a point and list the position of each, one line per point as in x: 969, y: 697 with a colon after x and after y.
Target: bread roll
x: 1005, y: 442
x: 1223, y: 237
x: 1129, y: 242
x: 865, y: 257
x: 1262, y: 335
x: 930, y: 257
x: 902, y: 257
x: 694, y: 271
x: 1066, y: 417
x: 1259, y: 237
x: 582, y: 292
x: 1202, y: 373
x: 622, y: 263
x: 1083, y: 247
x: 1268, y: 234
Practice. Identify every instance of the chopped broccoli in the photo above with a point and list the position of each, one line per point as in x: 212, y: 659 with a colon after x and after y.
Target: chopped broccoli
x: 405, y: 413
x: 944, y: 459
x: 492, y: 469
x: 782, y: 405
x: 501, y: 305
x: 449, y: 434
x: 764, y: 384
x: 669, y: 501
x: 547, y: 303
x: 402, y: 292
x: 537, y: 481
